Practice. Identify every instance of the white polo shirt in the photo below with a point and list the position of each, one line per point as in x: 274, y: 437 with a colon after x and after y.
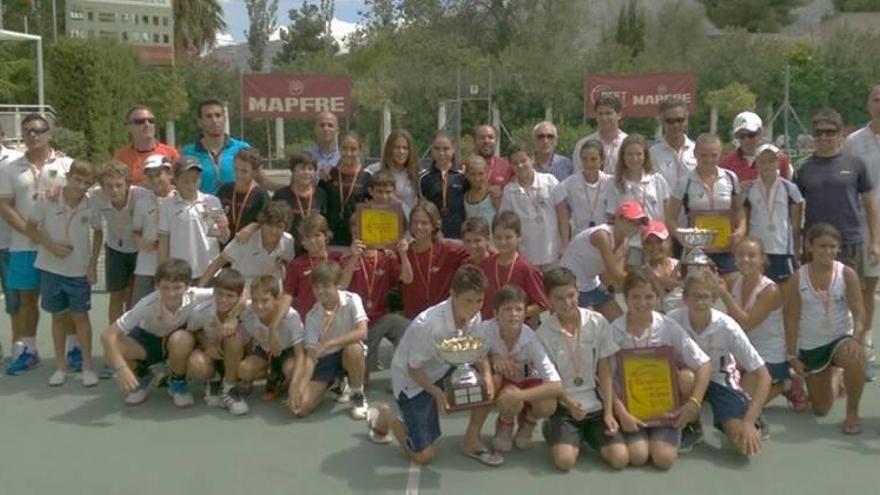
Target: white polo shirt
x: 251, y: 259
x: 776, y: 212
x: 528, y: 353
x: 537, y: 213
x: 671, y: 163
x: 584, y: 259
x: 290, y: 330
x: 24, y: 185
x: 662, y: 332
x: 727, y: 345
x: 418, y: 347
x: 7, y: 155
x: 348, y: 314
x: 67, y: 225
x: 119, y: 234
x: 187, y: 225
x: 151, y: 316
x: 203, y: 318
x: 146, y: 221
x: 695, y: 197
x: 587, y: 202
x: 610, y: 150
x: 579, y: 359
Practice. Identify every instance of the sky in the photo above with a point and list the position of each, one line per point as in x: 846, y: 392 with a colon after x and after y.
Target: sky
x: 235, y: 13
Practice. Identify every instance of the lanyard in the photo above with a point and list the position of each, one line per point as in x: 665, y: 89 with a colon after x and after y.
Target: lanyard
x: 328, y: 321
x: 595, y: 202
x: 371, y: 280
x: 444, y: 176
x: 322, y: 258
x: 572, y: 342
x: 769, y: 198
x: 302, y: 211
x: 237, y: 214
x: 822, y: 295
x: 498, y: 283
x: 710, y: 189
x: 426, y: 282
x: 343, y: 198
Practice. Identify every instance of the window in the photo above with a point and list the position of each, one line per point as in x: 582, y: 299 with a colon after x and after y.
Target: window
x: 107, y: 16
x: 137, y: 20
x: 124, y: 36
x: 165, y: 21
x: 145, y: 19
x: 91, y: 16
x: 155, y: 38
x: 124, y: 17
x: 166, y: 39
x: 155, y: 20
x: 77, y: 15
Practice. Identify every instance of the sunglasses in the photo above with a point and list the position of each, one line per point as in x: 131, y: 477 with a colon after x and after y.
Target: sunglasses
x: 36, y: 131
x: 676, y: 120
x: 746, y: 135
x: 546, y: 136
x: 825, y: 132
x: 145, y: 120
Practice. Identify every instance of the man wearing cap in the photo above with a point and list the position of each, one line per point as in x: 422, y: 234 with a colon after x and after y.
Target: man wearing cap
x: 747, y: 128
x: 837, y: 188
x: 214, y: 149
x: 38, y: 173
x: 145, y: 220
x: 865, y: 144
x: 141, y: 125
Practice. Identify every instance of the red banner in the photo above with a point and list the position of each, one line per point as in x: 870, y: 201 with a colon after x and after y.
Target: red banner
x: 641, y: 94
x: 295, y: 96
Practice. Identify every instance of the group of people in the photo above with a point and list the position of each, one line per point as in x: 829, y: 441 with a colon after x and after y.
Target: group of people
x: 218, y: 275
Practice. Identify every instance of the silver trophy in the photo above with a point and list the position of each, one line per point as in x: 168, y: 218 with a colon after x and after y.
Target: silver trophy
x: 694, y: 241
x: 465, y: 387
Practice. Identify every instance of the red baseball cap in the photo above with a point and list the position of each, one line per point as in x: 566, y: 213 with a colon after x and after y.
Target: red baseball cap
x: 632, y: 210
x: 655, y: 228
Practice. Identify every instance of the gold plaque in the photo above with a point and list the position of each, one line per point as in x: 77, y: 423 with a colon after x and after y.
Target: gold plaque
x: 648, y: 382
x: 379, y: 226
x: 718, y: 220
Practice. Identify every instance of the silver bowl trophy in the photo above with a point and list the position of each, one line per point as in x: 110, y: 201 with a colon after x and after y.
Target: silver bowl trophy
x: 465, y: 387
x: 694, y: 241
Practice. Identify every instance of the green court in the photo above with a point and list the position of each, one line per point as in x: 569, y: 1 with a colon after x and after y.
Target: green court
x: 72, y: 440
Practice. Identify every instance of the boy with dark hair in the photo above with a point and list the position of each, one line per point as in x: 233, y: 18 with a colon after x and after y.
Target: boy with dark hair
x: 243, y: 198
x: 303, y: 196
x: 475, y: 238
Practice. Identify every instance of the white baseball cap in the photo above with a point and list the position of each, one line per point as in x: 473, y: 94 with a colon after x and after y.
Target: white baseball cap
x: 157, y: 161
x: 767, y: 147
x: 747, y: 121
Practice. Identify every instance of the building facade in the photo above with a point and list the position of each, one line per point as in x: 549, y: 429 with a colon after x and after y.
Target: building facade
x: 147, y: 25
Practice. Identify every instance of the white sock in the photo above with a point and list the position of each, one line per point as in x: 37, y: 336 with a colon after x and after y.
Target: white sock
x: 30, y: 343
x: 70, y: 343
x: 358, y: 389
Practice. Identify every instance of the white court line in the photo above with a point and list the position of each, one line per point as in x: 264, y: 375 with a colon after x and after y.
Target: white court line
x: 412, y: 480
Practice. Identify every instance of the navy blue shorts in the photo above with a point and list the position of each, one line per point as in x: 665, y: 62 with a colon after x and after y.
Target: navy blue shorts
x: 779, y: 372
x: 563, y: 429
x: 724, y: 262
x: 595, y: 297
x: 153, y: 346
x: 421, y: 417
x: 118, y: 269
x: 779, y: 267
x: 727, y: 404
x: 59, y: 293
x: 10, y: 296
x: 328, y: 367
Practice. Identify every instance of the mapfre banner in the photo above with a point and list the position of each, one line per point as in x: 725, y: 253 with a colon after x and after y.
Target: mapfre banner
x: 295, y: 96
x: 641, y: 94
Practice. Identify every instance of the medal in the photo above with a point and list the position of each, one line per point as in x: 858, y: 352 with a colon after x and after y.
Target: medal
x: 578, y: 381
x: 369, y: 304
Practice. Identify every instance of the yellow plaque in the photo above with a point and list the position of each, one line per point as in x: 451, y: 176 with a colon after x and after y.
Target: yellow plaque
x: 720, y: 222
x: 379, y: 226
x: 648, y: 383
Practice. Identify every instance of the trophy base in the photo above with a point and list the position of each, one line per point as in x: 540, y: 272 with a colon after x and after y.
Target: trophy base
x: 464, y: 396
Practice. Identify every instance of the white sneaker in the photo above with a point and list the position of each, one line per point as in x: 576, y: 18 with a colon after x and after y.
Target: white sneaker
x: 90, y: 378
x: 233, y: 402
x: 345, y: 394
x: 376, y: 437
x: 58, y: 378
x: 359, y: 407
x: 146, y: 384
x: 179, y: 392
x: 212, y: 394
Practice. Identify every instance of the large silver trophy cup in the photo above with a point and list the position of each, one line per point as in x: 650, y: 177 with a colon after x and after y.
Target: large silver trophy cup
x: 465, y: 387
x: 694, y: 242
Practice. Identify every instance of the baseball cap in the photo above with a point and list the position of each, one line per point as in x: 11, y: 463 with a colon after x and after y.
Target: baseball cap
x: 156, y: 161
x: 746, y: 121
x: 185, y: 163
x: 655, y: 228
x: 767, y: 147
x: 632, y: 210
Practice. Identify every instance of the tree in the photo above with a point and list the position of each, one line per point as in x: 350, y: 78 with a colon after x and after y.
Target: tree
x: 631, y: 27
x: 764, y: 16
x: 196, y: 24
x: 857, y: 5
x: 262, y: 15
x: 308, y: 33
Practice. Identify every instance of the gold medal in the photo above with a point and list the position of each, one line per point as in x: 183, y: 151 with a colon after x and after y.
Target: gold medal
x: 578, y: 381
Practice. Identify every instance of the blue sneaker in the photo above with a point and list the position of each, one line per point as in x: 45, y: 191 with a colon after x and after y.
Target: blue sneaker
x: 178, y: 389
x: 25, y: 361
x: 75, y: 360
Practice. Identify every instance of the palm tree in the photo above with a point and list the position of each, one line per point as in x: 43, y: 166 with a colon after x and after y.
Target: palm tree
x: 196, y: 24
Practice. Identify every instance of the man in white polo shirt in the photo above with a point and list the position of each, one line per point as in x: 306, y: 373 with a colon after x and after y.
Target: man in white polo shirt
x: 609, y: 112
x: 865, y: 144
x: 7, y: 155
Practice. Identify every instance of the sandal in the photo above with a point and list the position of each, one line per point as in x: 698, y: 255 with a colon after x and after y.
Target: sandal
x: 854, y: 428
x: 486, y: 457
